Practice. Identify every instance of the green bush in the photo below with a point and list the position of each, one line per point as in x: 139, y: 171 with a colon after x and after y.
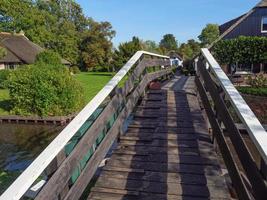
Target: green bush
x: 3, y: 78
x: 48, y: 57
x: 2, y: 52
x: 253, y: 91
x: 244, y: 50
x: 75, y: 70
x: 44, y: 90
x: 102, y: 69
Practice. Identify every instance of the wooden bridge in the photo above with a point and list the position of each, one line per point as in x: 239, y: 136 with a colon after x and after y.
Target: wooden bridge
x: 132, y: 142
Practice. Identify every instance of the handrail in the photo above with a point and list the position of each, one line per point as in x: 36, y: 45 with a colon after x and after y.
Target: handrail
x: 27, y: 178
x: 254, y: 128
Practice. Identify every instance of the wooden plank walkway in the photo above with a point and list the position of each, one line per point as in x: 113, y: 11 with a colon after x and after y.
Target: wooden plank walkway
x: 166, y: 154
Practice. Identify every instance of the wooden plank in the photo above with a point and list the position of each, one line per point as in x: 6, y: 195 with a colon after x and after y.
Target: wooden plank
x: 165, y: 177
x: 163, y: 188
x: 86, y: 175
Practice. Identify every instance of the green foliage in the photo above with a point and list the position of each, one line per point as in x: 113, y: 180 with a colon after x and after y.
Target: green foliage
x: 190, y: 49
x: 253, y: 91
x: 151, y: 46
x: 6, y: 179
x: 59, y: 25
x: 4, y: 74
x: 209, y: 34
x: 125, y: 51
x: 258, y: 80
x: 44, y: 90
x: 2, y: 52
x: 168, y: 43
x: 75, y: 70
x: 243, y: 50
x: 48, y: 57
x: 96, y: 44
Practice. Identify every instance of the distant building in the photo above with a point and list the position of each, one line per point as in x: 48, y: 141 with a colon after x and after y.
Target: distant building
x: 176, y: 59
x: 19, y: 51
x: 253, y: 23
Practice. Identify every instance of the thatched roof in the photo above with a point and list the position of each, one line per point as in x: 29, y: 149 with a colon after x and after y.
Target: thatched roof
x: 20, y: 49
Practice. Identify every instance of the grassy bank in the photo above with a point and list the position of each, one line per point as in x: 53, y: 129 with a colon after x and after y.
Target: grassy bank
x: 93, y: 82
x: 4, y: 102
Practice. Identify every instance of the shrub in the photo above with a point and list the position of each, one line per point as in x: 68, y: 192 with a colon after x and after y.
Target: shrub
x: 244, y: 50
x: 75, y: 70
x: 44, y: 90
x: 48, y: 57
x: 2, y: 52
x: 253, y: 91
x: 3, y: 78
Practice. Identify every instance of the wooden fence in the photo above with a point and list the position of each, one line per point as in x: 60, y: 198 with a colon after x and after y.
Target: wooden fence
x: 217, y: 94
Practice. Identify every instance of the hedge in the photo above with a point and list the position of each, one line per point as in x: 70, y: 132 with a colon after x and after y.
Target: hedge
x: 253, y: 91
x: 243, y: 50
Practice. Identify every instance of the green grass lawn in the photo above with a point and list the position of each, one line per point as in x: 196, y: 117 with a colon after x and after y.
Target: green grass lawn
x: 4, y: 102
x: 93, y: 82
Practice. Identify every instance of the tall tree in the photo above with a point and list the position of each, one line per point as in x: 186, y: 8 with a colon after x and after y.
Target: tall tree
x: 59, y: 25
x: 151, y: 46
x: 168, y: 43
x: 125, y: 51
x: 96, y: 46
x: 209, y: 34
x: 190, y: 49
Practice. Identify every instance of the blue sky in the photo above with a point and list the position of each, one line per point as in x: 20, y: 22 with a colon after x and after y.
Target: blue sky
x: 151, y: 19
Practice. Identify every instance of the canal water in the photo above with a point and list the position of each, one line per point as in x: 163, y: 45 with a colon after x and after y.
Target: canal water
x: 19, y: 145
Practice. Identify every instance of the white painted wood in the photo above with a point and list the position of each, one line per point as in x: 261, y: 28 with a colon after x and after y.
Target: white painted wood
x: 255, y: 129
x: 27, y: 178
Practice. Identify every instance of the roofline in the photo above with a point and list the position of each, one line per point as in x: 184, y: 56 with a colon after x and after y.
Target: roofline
x: 231, y: 28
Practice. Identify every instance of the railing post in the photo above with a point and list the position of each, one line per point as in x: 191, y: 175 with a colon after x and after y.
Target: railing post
x: 263, y: 169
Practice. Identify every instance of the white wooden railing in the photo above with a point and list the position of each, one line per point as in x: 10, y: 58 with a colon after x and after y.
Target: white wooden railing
x: 255, y: 129
x: 22, y: 184
x: 224, y: 105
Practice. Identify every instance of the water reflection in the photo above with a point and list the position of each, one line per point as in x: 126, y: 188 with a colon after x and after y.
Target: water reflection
x: 19, y: 145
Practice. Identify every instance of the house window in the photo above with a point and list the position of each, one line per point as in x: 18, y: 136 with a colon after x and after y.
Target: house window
x: 264, y: 24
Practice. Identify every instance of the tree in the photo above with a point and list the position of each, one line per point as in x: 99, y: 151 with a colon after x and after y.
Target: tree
x: 209, y: 34
x: 151, y: 46
x: 59, y: 25
x: 125, y: 51
x: 168, y: 43
x: 96, y: 45
x: 190, y: 49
